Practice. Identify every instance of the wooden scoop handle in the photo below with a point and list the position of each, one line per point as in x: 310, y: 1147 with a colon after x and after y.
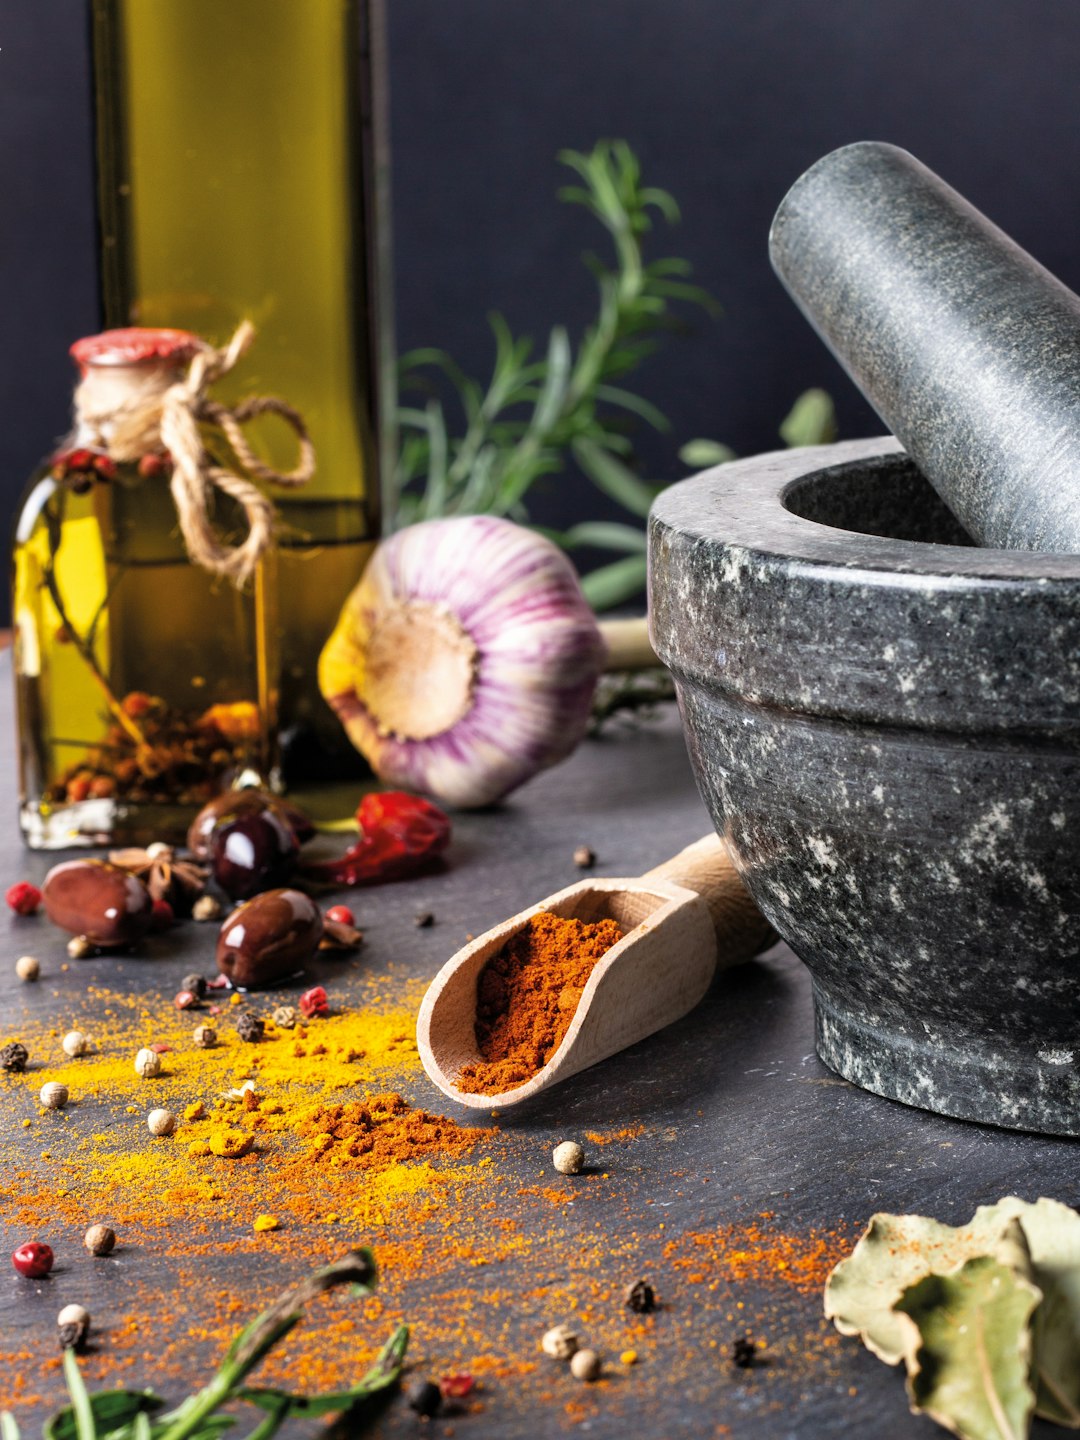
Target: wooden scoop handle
x: 706, y: 868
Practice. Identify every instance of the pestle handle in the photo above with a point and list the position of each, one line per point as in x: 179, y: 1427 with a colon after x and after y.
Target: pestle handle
x: 967, y: 348
x: 706, y: 868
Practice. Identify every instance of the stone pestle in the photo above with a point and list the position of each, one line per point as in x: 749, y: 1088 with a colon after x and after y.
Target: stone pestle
x: 967, y: 348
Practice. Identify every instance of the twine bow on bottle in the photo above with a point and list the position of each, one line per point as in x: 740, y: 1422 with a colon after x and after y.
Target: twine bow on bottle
x: 152, y: 410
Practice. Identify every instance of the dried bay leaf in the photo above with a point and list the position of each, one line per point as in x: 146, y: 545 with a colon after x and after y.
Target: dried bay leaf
x: 970, y: 1369
x: 1052, y: 1231
x: 894, y: 1253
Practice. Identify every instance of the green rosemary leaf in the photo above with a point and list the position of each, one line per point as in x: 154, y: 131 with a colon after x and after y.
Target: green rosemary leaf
x: 551, y: 398
x: 113, y: 1409
x: 414, y: 362
x: 435, y: 500
x: 384, y: 1373
x: 522, y: 425
x: 211, y: 1428
x: 82, y: 1410
x: 680, y: 290
x: 605, y: 535
x: 613, y: 477
x: 811, y: 420
x: 615, y: 583
x: 663, y: 202
x: 626, y: 400
x: 702, y: 453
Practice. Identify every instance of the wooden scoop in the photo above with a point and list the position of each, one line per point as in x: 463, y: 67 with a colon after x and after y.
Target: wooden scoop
x: 680, y: 921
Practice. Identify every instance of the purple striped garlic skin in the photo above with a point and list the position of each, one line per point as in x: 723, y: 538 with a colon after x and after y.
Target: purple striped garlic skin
x: 465, y: 659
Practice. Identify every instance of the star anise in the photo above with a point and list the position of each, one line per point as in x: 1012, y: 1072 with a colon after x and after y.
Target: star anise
x: 180, y: 882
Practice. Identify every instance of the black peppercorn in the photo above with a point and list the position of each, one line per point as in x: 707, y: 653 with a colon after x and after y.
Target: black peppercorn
x: 424, y: 920
x: 744, y: 1353
x: 249, y: 1027
x: 424, y: 1397
x: 584, y: 858
x: 13, y: 1057
x: 640, y: 1297
x: 196, y: 984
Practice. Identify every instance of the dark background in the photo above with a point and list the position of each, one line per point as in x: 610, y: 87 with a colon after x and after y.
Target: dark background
x: 725, y: 103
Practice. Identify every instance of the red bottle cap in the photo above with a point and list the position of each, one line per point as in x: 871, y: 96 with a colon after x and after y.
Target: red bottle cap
x: 134, y: 346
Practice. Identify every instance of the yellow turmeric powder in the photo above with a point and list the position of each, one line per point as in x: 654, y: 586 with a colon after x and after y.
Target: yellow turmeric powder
x: 256, y: 1119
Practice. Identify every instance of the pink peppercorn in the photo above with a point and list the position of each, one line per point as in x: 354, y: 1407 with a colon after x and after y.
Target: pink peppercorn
x: 340, y: 915
x: 33, y: 1259
x: 23, y: 898
x: 314, y: 1003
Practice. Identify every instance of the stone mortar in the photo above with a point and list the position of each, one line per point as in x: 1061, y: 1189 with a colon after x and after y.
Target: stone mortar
x: 884, y: 721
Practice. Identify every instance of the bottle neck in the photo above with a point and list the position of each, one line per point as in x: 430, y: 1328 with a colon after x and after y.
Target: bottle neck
x: 110, y: 395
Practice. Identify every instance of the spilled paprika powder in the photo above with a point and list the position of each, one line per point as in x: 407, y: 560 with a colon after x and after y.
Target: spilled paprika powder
x: 526, y: 997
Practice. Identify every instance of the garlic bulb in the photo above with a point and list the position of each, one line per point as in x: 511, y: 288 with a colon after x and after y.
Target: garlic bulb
x: 465, y: 659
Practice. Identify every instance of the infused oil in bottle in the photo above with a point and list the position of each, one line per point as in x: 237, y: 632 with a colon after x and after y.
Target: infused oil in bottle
x: 145, y: 682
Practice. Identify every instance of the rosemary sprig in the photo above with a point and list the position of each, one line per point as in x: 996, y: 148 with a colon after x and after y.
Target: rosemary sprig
x: 126, y: 1414
x: 535, y: 412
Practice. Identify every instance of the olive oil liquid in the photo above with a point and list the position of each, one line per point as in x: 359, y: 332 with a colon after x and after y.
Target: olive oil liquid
x: 237, y: 179
x: 111, y: 614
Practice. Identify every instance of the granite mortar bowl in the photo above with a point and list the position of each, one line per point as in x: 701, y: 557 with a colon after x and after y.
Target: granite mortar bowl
x: 884, y: 722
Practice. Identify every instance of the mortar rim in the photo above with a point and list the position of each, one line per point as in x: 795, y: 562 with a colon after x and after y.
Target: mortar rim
x: 760, y: 525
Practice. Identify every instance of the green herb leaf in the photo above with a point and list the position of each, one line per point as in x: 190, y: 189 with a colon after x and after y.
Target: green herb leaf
x: 614, y: 478
x: 605, y: 535
x: 112, y: 1410
x: 895, y: 1252
x: 522, y: 426
x: 384, y: 1373
x: 970, y: 1369
x: 811, y: 420
x: 85, y: 1425
x: 211, y: 1427
x: 700, y: 454
x: 615, y: 583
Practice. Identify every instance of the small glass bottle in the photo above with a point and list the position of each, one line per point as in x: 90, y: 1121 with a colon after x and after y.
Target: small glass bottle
x: 145, y: 682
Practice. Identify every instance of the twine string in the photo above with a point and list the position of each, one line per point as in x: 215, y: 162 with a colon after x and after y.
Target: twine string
x: 160, y: 411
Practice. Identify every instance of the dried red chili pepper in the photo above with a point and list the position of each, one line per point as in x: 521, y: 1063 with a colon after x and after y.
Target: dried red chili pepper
x: 457, y: 1386
x: 399, y: 835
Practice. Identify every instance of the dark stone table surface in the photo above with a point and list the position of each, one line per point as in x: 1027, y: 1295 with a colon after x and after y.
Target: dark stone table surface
x: 738, y: 1117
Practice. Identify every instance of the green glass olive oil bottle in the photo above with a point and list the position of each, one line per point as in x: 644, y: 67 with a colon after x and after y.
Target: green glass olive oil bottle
x: 243, y: 174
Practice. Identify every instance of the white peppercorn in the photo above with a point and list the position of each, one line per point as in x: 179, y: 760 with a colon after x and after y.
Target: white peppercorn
x: 559, y: 1342
x: 285, y: 1016
x: 75, y: 1043
x: 585, y: 1365
x: 28, y: 967
x: 568, y: 1158
x: 161, y: 1122
x: 148, y: 1064
x: 206, y: 908
x: 79, y: 947
x: 73, y: 1326
x: 204, y: 1036
x: 54, y: 1096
